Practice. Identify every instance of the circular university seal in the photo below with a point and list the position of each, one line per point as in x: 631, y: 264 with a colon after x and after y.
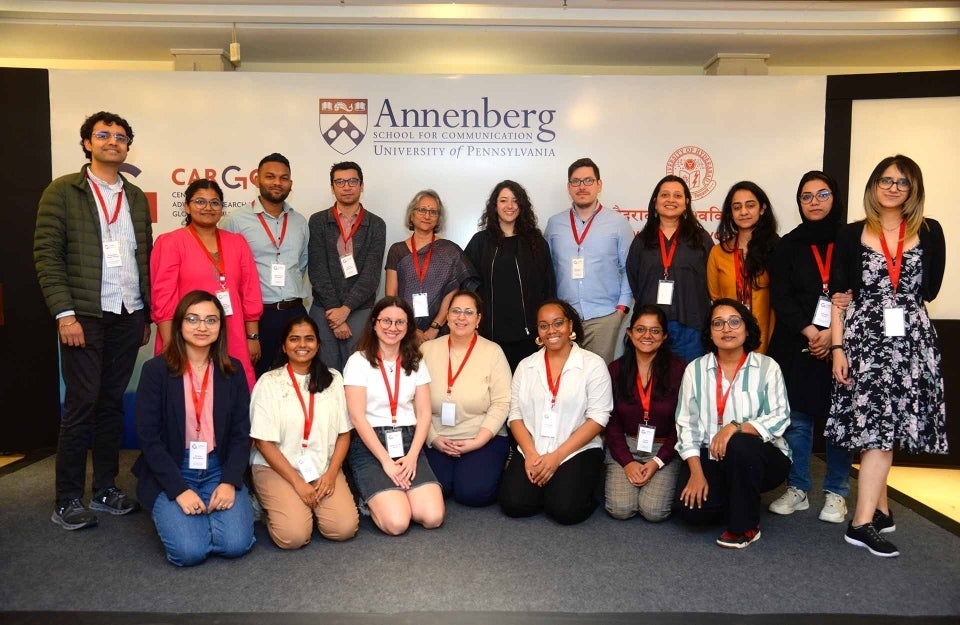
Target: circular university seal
x: 695, y: 166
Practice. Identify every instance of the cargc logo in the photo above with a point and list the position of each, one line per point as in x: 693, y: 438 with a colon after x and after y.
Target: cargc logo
x: 231, y: 176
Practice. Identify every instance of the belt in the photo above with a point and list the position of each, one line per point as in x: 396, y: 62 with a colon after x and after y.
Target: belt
x: 286, y: 304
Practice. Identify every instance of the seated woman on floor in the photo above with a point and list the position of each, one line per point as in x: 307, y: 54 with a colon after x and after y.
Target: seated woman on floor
x: 299, y: 425
x: 730, y: 422
x: 560, y: 402
x: 193, y: 423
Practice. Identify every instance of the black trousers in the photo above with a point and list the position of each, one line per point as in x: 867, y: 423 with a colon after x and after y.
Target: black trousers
x: 568, y: 498
x: 734, y: 484
x: 95, y: 377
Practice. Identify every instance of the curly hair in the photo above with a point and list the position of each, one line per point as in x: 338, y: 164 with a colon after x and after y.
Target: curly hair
x: 690, y: 228
x: 86, y: 130
x: 764, y: 236
x: 753, y: 328
x: 569, y: 312
x: 526, y: 226
x: 369, y: 343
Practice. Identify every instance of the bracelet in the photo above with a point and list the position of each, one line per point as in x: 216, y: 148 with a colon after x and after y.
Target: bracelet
x: 833, y: 347
x: 66, y: 325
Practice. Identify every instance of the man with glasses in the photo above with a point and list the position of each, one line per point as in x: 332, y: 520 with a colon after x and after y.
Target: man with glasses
x: 92, y: 249
x: 345, y: 254
x: 589, y: 246
x: 278, y: 237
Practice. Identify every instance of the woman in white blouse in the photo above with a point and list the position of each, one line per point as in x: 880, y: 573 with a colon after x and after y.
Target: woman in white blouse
x: 560, y: 403
x: 301, y: 434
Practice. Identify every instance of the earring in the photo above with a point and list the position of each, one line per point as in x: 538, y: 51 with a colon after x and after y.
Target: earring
x: 538, y: 341
x: 573, y: 336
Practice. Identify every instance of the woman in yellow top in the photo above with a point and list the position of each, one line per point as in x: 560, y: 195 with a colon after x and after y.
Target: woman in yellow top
x: 737, y: 268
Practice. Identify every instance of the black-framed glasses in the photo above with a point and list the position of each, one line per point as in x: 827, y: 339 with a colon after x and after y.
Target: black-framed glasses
x: 587, y: 182
x: 653, y: 330
x: 822, y: 195
x: 342, y: 182
x: 194, y: 320
x: 733, y: 323
x: 202, y: 203
x: 456, y: 312
x: 432, y: 212
x: 557, y: 324
x: 103, y: 135
x: 386, y: 324
x: 886, y: 182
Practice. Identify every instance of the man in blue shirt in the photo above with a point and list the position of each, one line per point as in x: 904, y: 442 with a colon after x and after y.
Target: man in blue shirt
x: 278, y: 237
x: 589, y: 246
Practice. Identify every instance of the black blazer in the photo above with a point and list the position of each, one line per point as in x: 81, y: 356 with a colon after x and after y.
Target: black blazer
x: 847, y: 269
x: 161, y: 428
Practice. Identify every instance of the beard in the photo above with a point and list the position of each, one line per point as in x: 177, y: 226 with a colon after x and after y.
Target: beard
x: 274, y: 196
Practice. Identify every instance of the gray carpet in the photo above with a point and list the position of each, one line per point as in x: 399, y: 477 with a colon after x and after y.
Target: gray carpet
x: 478, y: 563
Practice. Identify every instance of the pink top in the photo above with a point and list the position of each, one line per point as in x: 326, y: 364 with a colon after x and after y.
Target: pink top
x: 179, y: 265
x: 206, y: 434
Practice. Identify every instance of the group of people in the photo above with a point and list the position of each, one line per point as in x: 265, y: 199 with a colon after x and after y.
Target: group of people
x: 486, y: 374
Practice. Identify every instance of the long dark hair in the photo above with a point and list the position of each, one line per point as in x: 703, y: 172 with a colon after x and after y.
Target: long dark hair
x: 175, y: 352
x: 369, y: 344
x: 625, y: 387
x: 319, y: 375
x: 690, y: 229
x: 569, y: 312
x: 764, y: 236
x: 753, y: 328
x: 526, y: 226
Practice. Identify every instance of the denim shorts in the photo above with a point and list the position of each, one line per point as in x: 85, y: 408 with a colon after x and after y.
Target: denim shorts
x: 368, y: 475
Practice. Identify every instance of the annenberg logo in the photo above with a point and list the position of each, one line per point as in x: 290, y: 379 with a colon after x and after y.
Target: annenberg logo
x: 695, y: 166
x: 343, y: 122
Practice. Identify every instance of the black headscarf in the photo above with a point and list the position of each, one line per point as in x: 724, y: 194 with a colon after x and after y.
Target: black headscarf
x: 825, y: 230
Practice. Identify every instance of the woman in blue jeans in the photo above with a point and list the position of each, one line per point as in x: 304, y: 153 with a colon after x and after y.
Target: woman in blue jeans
x: 193, y: 423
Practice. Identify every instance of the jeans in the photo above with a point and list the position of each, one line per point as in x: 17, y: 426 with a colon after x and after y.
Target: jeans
x: 799, y: 436
x: 685, y: 341
x: 189, y: 539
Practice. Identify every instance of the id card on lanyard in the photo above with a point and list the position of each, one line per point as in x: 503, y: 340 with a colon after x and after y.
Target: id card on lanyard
x: 198, y: 448
x: 219, y: 264
x: 111, y: 249
x: 821, y: 316
x: 421, y: 303
x: 278, y: 271
x: 578, y: 263
x: 894, y: 317
x: 646, y: 432
x: 448, y: 409
x: 665, y: 286
x: 722, y: 396
x: 550, y: 419
x: 395, y: 436
x: 305, y: 464
x: 347, y: 262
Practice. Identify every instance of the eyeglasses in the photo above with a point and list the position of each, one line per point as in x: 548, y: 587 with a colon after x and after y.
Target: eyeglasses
x: 557, y: 324
x: 342, y: 182
x: 886, y: 182
x: 433, y: 212
x: 456, y: 312
x: 203, y: 203
x: 103, y: 135
x: 654, y: 331
x: 823, y: 195
x: 194, y: 320
x: 733, y: 323
x: 587, y: 182
x: 386, y: 324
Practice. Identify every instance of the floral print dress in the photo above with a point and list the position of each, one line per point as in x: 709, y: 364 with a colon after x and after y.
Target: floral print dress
x: 896, y: 395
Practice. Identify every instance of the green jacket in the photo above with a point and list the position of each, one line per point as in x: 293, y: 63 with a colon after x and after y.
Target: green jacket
x: 67, y: 246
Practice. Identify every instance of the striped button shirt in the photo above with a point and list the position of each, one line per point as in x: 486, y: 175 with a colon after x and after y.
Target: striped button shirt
x: 119, y: 286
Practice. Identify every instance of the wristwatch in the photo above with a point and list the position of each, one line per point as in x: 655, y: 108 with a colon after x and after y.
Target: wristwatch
x: 253, y: 337
x: 434, y: 325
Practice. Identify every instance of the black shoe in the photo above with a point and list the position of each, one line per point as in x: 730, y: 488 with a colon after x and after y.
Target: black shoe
x: 883, y: 522
x: 868, y: 536
x: 73, y: 515
x: 113, y: 501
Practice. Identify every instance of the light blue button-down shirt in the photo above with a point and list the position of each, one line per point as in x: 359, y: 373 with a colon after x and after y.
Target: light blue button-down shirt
x: 292, y: 252
x: 604, y: 285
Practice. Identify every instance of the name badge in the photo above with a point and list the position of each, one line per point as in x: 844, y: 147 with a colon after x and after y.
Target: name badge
x: 576, y: 268
x: 278, y: 274
x: 893, y: 322
x: 665, y: 292
x: 821, y: 316
x: 448, y: 413
x: 224, y: 297
x: 111, y: 254
x: 349, y: 266
x: 420, y: 306
x: 198, y: 455
x: 645, y: 436
x: 395, y: 443
x: 549, y: 423
x: 307, y: 468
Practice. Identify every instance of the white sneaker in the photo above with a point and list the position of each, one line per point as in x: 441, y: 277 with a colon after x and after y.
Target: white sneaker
x: 789, y: 502
x: 834, y: 509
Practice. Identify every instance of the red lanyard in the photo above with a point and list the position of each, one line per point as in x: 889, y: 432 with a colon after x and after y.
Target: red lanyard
x: 198, y: 396
x: 394, y: 397
x: 554, y: 388
x: 824, y: 267
x: 346, y: 237
x: 573, y: 227
x: 644, y: 394
x: 667, y: 257
x: 283, y: 230
x: 451, y: 377
x: 307, y: 416
x: 103, y: 204
x: 416, y: 258
x: 744, y: 291
x: 218, y: 263
x: 894, y: 265
x: 721, y: 396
